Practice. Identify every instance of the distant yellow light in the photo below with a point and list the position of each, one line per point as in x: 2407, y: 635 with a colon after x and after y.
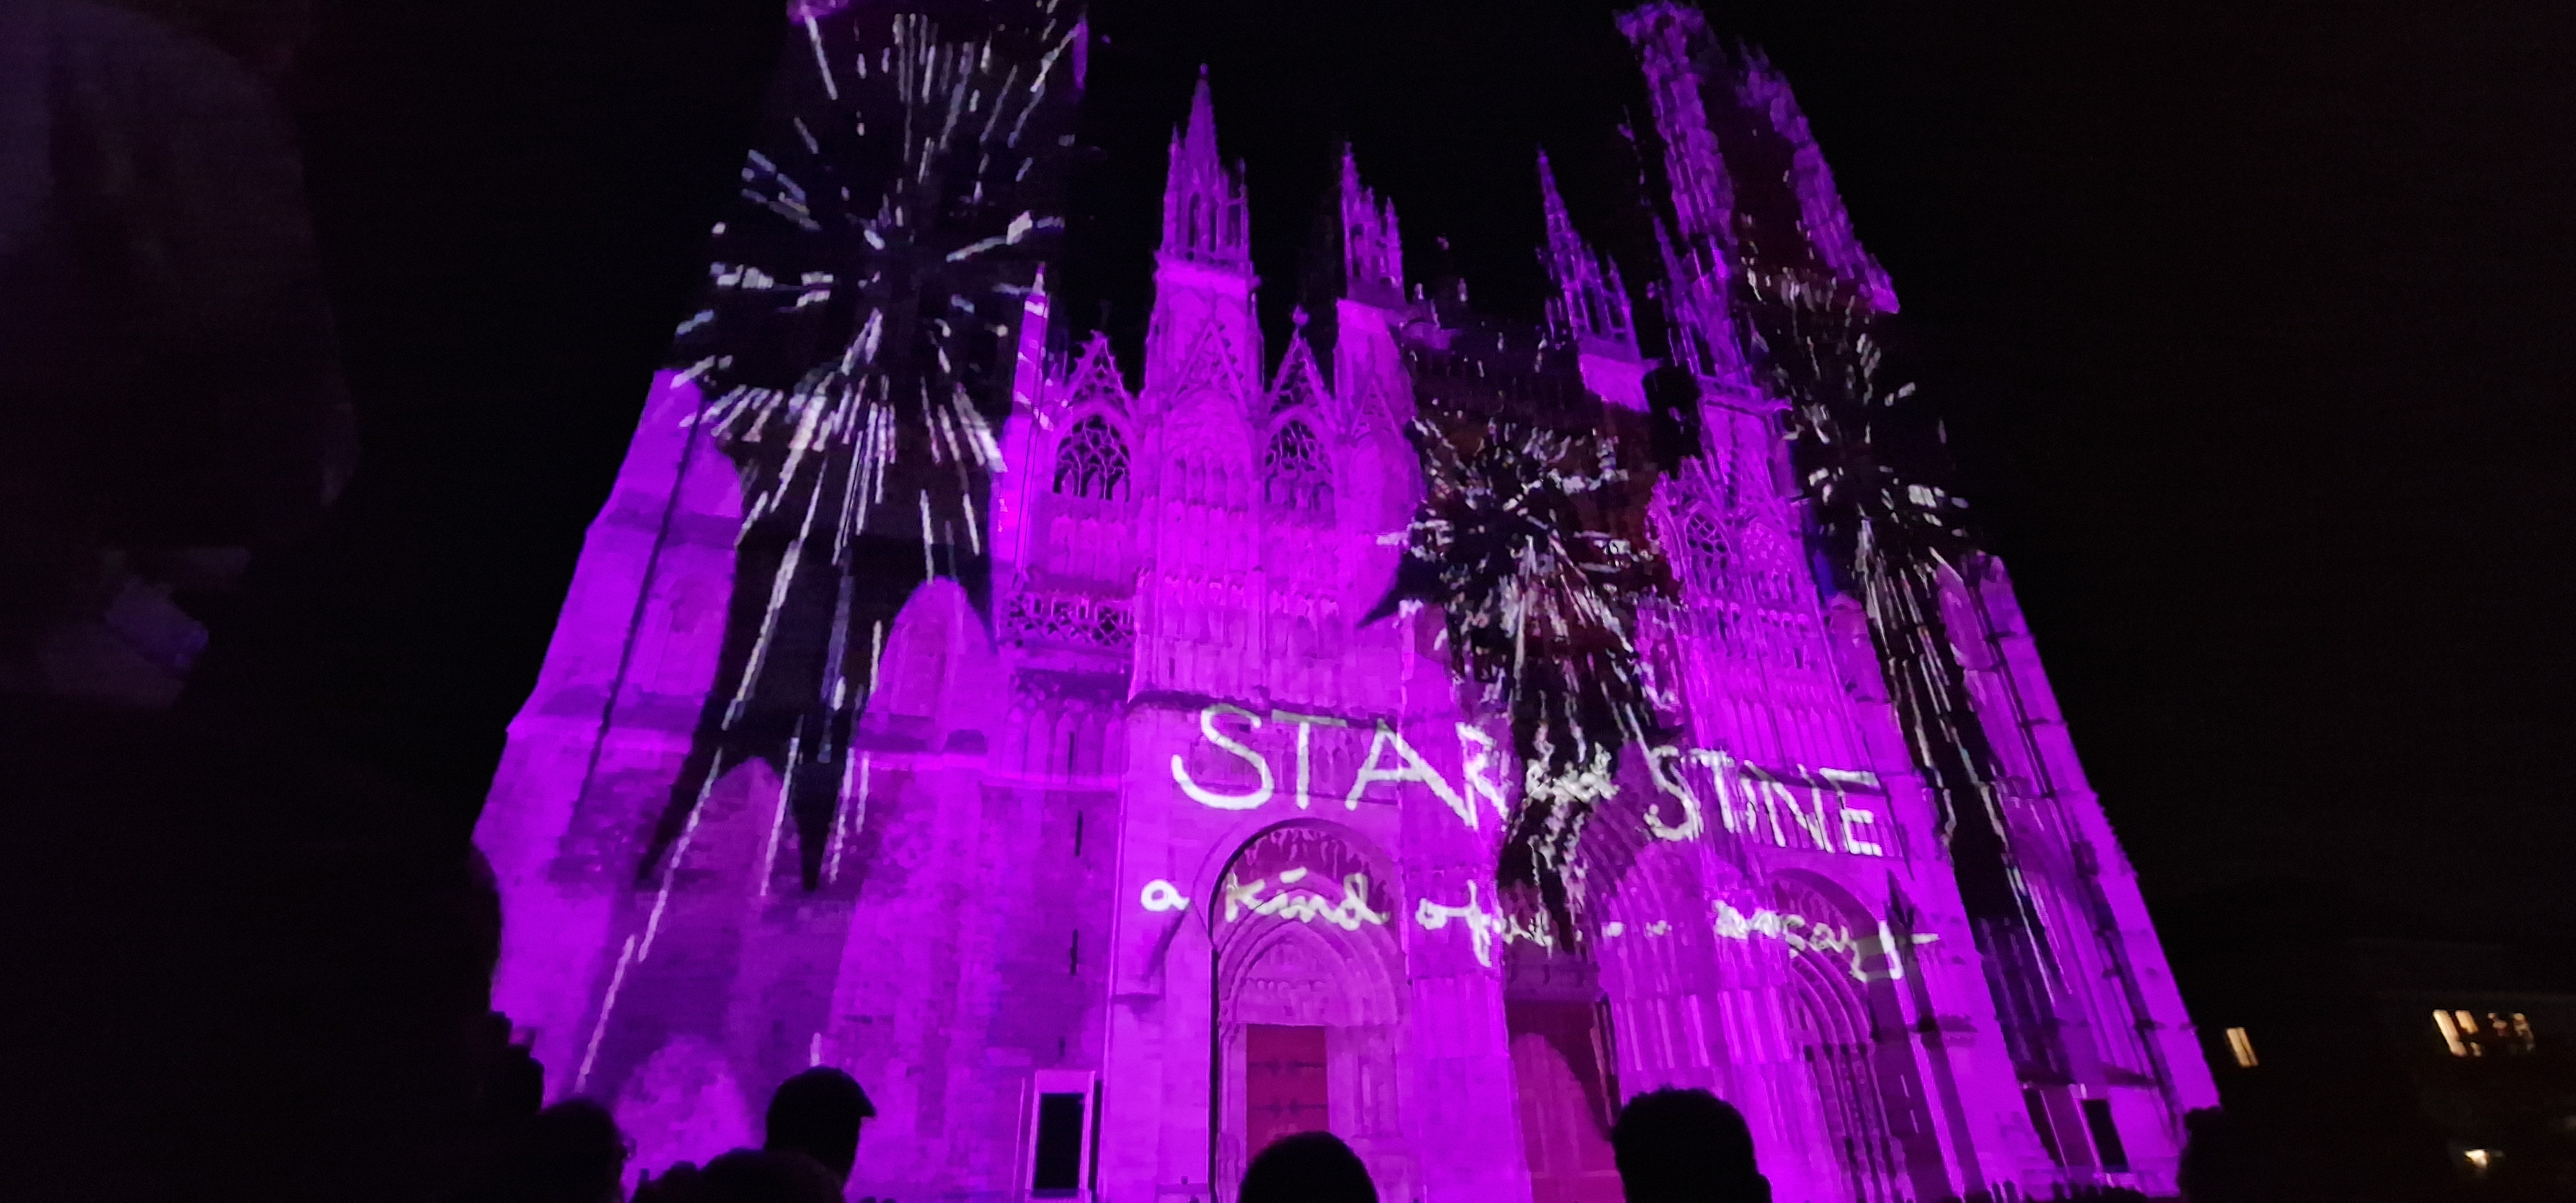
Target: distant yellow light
x: 2242, y: 1046
x: 2450, y: 1033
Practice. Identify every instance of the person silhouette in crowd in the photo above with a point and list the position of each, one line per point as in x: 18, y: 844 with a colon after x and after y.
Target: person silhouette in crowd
x: 810, y: 1145
x: 514, y: 1082
x: 571, y: 1152
x: 506, y: 1105
x: 744, y: 1176
x: 1686, y: 1146
x: 1309, y: 1167
x: 817, y: 1114
x: 174, y: 400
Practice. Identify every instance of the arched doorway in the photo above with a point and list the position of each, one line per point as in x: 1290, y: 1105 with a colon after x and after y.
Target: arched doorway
x: 1628, y: 1014
x: 1848, y: 1028
x: 1660, y: 970
x: 1564, y: 1072
x: 1829, y: 1024
x: 1310, y: 1002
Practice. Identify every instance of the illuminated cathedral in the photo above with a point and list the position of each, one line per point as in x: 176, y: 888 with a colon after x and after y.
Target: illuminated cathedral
x: 1147, y: 827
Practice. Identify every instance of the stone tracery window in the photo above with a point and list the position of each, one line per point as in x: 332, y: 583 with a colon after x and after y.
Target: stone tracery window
x: 1704, y: 546
x: 1294, y: 474
x: 1093, y: 462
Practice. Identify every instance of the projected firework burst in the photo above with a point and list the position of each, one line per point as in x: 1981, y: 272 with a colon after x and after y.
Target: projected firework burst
x: 1897, y: 540
x: 1539, y: 605
x: 1891, y: 531
x: 855, y: 354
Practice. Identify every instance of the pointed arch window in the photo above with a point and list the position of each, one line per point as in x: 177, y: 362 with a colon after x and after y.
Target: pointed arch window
x: 1093, y: 462
x: 1705, y: 546
x: 1295, y: 477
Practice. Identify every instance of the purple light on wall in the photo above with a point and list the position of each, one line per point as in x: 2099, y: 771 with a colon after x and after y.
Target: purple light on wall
x: 1135, y: 813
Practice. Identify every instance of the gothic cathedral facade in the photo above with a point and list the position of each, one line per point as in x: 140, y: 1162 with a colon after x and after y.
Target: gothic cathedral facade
x: 1175, y: 844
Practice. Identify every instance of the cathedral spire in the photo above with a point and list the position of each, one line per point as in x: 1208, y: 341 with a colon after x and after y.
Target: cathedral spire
x: 1203, y: 213
x: 1826, y: 223
x: 1671, y: 40
x: 1372, y: 249
x: 1591, y: 305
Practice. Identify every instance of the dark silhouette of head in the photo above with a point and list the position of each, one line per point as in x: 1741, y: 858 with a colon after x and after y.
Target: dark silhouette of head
x: 1310, y: 1167
x: 817, y: 1113
x: 571, y: 1152
x: 745, y: 1176
x: 1686, y: 1146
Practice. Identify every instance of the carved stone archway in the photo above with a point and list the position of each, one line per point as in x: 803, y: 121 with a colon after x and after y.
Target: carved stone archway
x: 1848, y: 1025
x: 1310, y: 1002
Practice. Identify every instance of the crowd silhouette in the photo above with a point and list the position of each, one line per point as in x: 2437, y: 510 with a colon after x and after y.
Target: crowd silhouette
x: 1671, y: 1146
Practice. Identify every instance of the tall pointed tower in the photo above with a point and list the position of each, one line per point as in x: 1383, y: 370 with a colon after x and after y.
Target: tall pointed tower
x: 1590, y: 310
x: 2070, y: 1059
x: 1203, y: 339
x: 1202, y: 389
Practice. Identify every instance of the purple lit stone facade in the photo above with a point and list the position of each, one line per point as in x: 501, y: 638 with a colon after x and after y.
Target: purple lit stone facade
x: 1177, y: 834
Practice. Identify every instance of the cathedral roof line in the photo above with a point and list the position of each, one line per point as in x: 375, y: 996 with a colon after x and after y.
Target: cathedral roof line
x: 1359, y: 254
x: 1093, y: 378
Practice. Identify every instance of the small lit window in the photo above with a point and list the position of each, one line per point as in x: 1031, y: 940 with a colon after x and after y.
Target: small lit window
x: 2450, y: 1030
x: 2242, y: 1046
x: 2468, y: 1034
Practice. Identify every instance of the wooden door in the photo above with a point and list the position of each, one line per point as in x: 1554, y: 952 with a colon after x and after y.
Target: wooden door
x: 1283, y: 1083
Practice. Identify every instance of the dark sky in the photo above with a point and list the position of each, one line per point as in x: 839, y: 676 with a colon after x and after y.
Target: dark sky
x: 2250, y: 323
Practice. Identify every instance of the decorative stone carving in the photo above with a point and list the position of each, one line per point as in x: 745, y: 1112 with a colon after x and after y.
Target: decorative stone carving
x: 1069, y: 620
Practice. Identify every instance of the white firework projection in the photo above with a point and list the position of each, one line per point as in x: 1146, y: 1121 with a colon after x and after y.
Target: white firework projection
x: 1519, y: 543
x: 855, y: 356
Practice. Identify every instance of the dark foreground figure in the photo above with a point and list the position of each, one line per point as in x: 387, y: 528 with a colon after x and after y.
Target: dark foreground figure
x: 1686, y: 1146
x: 817, y: 1113
x: 249, y: 949
x: 1310, y: 1167
x: 571, y: 1152
x: 811, y: 1143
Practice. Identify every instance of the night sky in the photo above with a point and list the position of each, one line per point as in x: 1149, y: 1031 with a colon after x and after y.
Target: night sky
x: 2250, y: 325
